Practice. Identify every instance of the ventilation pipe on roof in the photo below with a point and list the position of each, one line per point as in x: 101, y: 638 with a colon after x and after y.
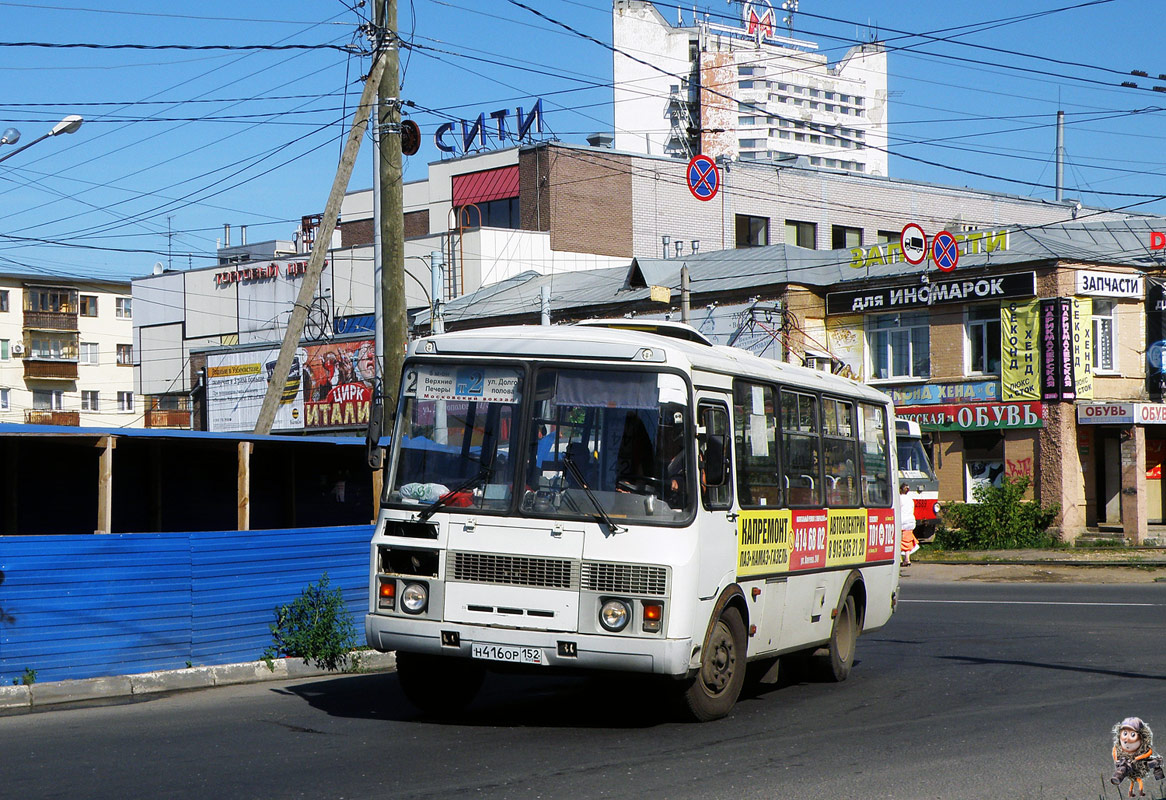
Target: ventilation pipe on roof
x: 545, y: 305
x: 227, y: 234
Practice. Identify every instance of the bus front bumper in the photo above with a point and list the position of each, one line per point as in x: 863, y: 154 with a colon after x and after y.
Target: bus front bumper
x: 558, y: 649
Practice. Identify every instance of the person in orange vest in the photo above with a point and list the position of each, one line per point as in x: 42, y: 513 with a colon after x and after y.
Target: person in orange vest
x: 908, y: 544
x: 1133, y: 754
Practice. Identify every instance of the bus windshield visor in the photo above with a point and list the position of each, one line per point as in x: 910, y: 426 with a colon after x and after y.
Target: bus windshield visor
x: 455, y: 435
x: 609, y: 442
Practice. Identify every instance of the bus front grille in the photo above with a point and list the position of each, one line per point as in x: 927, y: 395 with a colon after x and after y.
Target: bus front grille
x: 547, y: 573
x: 601, y: 576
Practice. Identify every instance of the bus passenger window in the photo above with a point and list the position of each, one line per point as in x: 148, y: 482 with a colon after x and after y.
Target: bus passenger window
x: 755, y: 426
x: 875, y: 484
x: 802, y: 465
x: 840, y: 450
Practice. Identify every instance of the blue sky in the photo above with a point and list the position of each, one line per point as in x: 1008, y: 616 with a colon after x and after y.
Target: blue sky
x: 178, y: 142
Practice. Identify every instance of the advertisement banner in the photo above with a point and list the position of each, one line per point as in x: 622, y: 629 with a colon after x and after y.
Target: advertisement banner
x: 236, y: 383
x: 1020, y: 364
x: 846, y: 540
x: 774, y: 542
x: 844, y: 338
x: 1155, y: 339
x: 975, y: 416
x: 1083, y: 347
x: 763, y: 542
x: 937, y: 292
x: 880, y: 534
x: 809, y: 551
x: 935, y: 393
x: 338, y: 384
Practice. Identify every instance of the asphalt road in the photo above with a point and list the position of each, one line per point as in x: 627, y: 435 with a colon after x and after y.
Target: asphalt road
x: 974, y: 690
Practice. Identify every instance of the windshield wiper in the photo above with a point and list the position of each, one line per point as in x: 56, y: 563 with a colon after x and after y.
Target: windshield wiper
x: 481, y: 475
x: 601, y: 514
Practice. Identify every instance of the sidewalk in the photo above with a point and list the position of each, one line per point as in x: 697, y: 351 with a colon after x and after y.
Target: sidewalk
x: 18, y: 699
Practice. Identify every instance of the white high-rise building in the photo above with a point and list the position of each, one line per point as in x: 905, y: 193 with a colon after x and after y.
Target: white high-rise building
x: 745, y: 92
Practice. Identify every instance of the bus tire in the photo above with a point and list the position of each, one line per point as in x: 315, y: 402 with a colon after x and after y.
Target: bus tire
x: 712, y: 692
x: 439, y: 685
x: 843, y: 638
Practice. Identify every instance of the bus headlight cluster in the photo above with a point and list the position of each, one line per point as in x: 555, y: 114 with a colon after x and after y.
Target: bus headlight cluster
x: 414, y: 598
x: 615, y: 614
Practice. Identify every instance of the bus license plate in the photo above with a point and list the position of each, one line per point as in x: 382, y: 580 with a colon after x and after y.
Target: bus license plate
x: 512, y: 655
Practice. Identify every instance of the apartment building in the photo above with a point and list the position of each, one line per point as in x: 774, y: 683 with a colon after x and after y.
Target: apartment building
x: 66, y: 352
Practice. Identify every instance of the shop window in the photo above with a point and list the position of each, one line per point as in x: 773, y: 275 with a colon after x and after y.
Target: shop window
x: 802, y: 234
x: 752, y: 231
x: 900, y: 345
x: 842, y: 237
x: 1104, y: 336
x: 983, y: 331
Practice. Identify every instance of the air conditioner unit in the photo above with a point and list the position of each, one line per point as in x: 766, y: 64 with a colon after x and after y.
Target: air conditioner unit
x: 17, y: 349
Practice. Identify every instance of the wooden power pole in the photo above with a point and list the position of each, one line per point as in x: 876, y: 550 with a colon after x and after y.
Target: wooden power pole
x: 392, y: 221
x: 295, y: 325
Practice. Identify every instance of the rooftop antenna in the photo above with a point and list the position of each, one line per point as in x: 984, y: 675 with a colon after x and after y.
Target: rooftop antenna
x: 791, y: 8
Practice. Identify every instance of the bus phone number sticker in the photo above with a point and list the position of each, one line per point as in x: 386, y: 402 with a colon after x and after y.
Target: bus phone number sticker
x: 486, y: 384
x: 880, y: 534
x: 846, y: 539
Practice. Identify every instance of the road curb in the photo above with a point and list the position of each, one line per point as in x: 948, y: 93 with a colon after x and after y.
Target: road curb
x: 14, y: 699
x: 1041, y: 563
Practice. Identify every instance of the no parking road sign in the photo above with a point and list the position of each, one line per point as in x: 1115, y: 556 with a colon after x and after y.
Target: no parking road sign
x: 945, y: 250
x: 704, y: 179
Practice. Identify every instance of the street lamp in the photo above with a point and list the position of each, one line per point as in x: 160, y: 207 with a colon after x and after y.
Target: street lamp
x: 68, y: 125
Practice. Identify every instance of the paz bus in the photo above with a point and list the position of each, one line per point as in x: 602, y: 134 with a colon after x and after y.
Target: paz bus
x: 596, y: 497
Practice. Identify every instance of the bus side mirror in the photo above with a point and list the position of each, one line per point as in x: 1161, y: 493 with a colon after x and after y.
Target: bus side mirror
x: 715, y: 471
x: 376, y: 424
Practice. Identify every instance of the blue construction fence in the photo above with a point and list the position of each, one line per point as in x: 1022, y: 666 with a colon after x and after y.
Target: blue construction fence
x: 117, y: 604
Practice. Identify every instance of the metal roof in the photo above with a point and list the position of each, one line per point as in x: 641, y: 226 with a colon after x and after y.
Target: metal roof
x: 60, y: 431
x: 1124, y: 243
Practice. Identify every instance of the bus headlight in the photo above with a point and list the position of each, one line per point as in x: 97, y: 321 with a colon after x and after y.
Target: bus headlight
x: 614, y: 615
x: 414, y: 598
x: 935, y: 508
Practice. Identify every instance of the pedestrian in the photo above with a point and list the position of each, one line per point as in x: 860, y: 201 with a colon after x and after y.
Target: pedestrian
x: 908, y: 544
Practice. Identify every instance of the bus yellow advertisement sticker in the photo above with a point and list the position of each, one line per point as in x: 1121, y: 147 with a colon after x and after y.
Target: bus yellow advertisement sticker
x: 763, y: 542
x: 846, y: 537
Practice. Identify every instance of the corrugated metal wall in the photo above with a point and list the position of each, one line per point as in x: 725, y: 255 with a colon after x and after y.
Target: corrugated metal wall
x: 85, y: 606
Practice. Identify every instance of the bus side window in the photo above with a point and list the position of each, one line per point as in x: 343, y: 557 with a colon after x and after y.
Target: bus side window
x: 875, y: 483
x: 755, y: 431
x: 715, y: 421
x: 801, y: 449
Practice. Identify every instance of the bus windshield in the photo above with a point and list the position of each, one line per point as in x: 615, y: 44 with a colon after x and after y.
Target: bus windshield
x: 609, y: 438
x: 455, y: 436
x: 913, y: 461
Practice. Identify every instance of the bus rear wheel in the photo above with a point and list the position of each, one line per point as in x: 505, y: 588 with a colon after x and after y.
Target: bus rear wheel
x: 843, y: 638
x: 439, y: 685
x: 713, y: 691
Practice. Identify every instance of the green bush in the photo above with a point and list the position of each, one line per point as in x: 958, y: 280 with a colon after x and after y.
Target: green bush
x: 315, y: 627
x: 1000, y: 519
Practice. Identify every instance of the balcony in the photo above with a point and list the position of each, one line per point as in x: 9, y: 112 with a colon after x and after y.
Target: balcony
x: 167, y: 418
x: 39, y: 416
x: 50, y: 320
x: 50, y: 370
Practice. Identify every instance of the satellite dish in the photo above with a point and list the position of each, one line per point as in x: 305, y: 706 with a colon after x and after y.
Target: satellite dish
x: 159, y: 267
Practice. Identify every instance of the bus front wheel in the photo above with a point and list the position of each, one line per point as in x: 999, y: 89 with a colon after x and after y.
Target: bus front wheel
x: 712, y: 692
x: 439, y: 684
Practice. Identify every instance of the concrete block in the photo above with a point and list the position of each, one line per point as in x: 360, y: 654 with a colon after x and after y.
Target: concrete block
x: 249, y: 672
x: 87, y: 689
x: 15, y: 697
x: 172, y: 680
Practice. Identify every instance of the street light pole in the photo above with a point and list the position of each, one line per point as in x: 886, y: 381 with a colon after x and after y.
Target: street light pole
x: 68, y: 125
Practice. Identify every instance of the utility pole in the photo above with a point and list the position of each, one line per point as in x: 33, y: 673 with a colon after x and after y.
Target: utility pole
x: 295, y: 325
x: 392, y: 220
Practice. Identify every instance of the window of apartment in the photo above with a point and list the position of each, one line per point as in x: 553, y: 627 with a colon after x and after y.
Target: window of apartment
x: 802, y: 234
x: 1104, y: 336
x: 90, y: 400
x: 48, y: 400
x: 744, y: 70
x: 54, y: 300
x: 3, y: 300
x: 46, y: 345
x: 900, y: 345
x: 125, y: 401
x: 842, y: 236
x: 984, y: 339
x: 125, y: 355
x: 89, y: 305
x: 752, y: 144
x: 123, y: 307
x: 4, y: 400
x: 89, y: 353
x: 746, y: 120
x: 4, y: 350
x: 752, y: 231
x: 888, y: 236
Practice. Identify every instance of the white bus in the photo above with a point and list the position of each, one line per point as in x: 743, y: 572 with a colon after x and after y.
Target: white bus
x: 592, y: 497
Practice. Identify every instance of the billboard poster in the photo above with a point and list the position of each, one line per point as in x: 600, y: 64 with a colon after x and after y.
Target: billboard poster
x: 236, y: 383
x: 338, y: 383
x: 1020, y: 331
x: 844, y: 340
x: 1083, y: 346
x: 1155, y: 339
